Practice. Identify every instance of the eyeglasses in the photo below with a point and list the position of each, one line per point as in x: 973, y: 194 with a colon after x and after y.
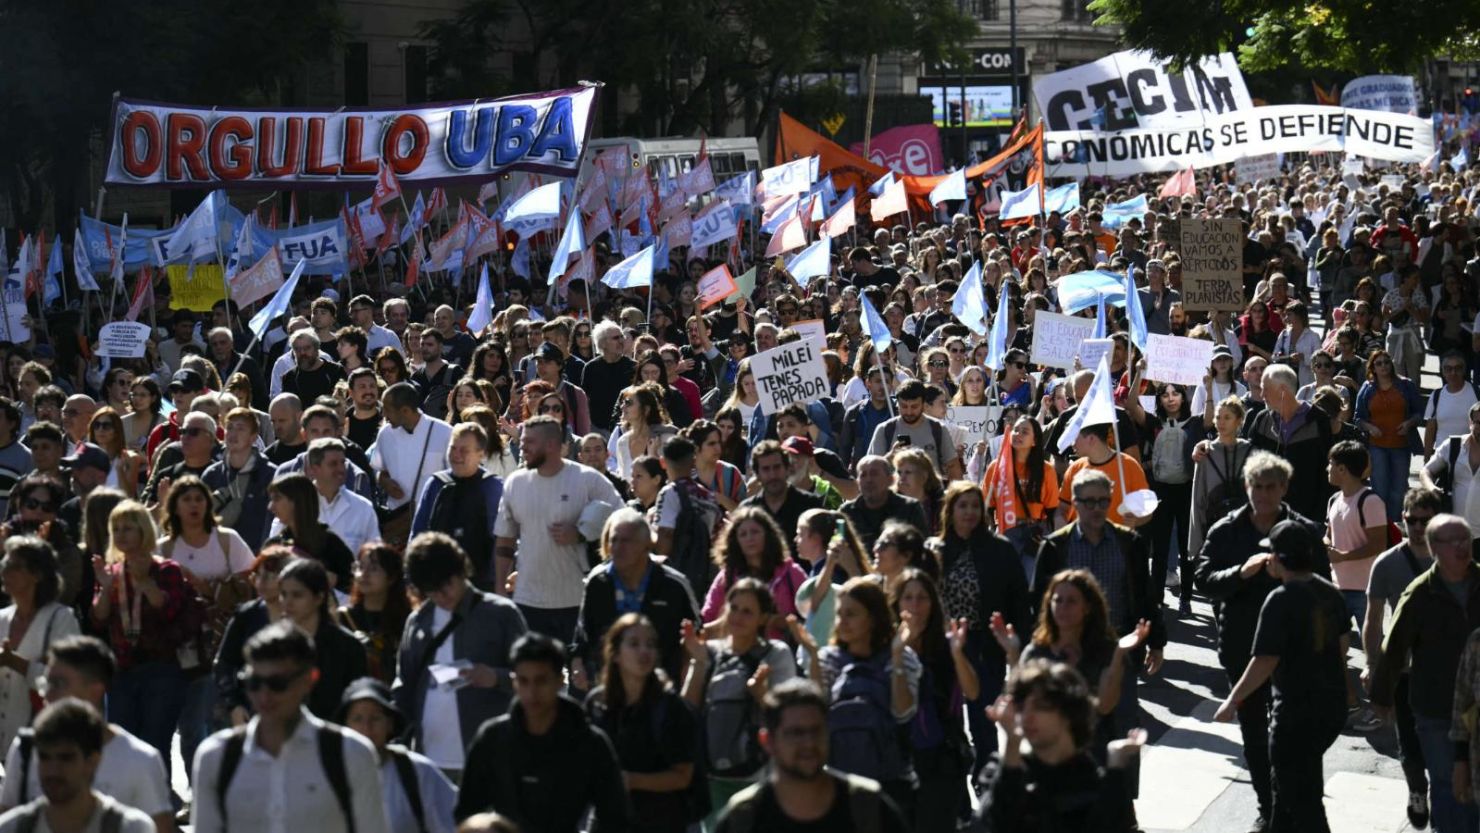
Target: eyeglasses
x: 956, y: 351
x: 33, y: 504
x: 276, y: 683
x: 1093, y: 502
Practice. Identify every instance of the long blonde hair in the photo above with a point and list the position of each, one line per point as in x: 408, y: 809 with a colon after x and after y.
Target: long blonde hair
x: 131, y: 511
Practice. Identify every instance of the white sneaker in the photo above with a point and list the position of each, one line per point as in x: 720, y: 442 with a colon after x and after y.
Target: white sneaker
x: 1174, y: 581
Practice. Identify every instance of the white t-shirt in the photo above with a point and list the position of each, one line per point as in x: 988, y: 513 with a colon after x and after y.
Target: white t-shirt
x: 1221, y: 391
x: 403, y: 455
x: 1344, y: 526
x: 208, y: 561
x: 1451, y: 411
x: 441, y: 730
x: 133, y: 821
x: 551, y: 575
x: 131, y: 771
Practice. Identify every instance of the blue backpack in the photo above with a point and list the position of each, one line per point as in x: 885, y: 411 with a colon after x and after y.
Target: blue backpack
x: 863, y: 736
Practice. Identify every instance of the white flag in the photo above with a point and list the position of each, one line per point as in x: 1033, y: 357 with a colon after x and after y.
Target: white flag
x: 1098, y: 407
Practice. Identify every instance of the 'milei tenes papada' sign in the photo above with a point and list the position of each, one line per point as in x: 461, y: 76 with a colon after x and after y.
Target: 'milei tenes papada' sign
x: 174, y: 145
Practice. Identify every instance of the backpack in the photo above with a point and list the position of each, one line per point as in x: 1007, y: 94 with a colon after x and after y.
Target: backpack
x: 28, y: 817
x: 864, y: 805
x: 1169, y: 456
x: 331, y: 757
x: 1394, y: 535
x: 937, y: 433
x: 863, y: 735
x: 1445, y: 482
x: 693, y: 531
x: 732, y: 718
x: 1228, y: 496
x: 406, y: 774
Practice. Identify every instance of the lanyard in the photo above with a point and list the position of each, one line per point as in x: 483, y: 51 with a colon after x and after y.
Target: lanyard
x: 629, y: 601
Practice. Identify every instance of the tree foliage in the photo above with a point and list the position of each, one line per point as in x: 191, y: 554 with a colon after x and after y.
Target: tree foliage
x: 1352, y: 36
x: 693, y: 64
x: 64, y: 59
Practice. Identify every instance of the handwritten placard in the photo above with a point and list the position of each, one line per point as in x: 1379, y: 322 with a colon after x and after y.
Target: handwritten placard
x: 978, y: 421
x: 793, y: 372
x: 1057, y: 338
x: 1091, y: 349
x: 123, y: 339
x: 1212, y: 265
x: 715, y: 286
x: 1177, y: 359
x: 14, y: 323
x: 812, y: 328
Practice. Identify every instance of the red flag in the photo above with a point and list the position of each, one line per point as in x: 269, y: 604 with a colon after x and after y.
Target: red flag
x: 599, y: 221
x: 1330, y: 97
x: 143, y: 294
x: 391, y: 235
x: 438, y: 202
x: 840, y: 221
x: 33, y: 265
x: 788, y: 237
x: 387, y: 187
x: 272, y: 219
x: 413, y: 269
x: 1181, y: 184
x: 356, y: 237
x: 292, y: 209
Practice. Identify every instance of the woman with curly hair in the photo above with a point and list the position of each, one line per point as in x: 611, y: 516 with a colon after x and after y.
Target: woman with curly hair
x: 752, y: 546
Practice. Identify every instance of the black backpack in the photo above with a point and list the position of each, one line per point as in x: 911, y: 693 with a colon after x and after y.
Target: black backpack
x: 693, y: 534
x: 1228, y: 496
x: 331, y: 756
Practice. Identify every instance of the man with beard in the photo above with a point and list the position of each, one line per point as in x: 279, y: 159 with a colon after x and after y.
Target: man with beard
x: 436, y: 376
x: 313, y: 375
x: 537, y: 519
x: 409, y: 447
x: 1157, y: 298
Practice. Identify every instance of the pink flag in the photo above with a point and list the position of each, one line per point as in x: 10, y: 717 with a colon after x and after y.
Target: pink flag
x: 679, y: 230
x: 254, y: 284
x: 790, y: 236
x: 599, y: 222
x: 487, y: 191
x: 1181, y: 184
x: 387, y: 188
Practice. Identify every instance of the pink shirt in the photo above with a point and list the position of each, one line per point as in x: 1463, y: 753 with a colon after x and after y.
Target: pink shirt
x: 1344, y: 527
x: 784, y: 583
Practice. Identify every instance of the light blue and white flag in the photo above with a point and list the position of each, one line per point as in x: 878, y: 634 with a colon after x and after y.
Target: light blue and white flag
x: 1018, y: 205
x: 874, y: 326
x: 969, y: 304
x: 997, y: 341
x: 572, y: 243
x: 1098, y: 407
x: 278, y: 305
x: 633, y: 272
x: 953, y: 187
x: 482, y: 314
x: 1062, y: 199
x: 812, y: 262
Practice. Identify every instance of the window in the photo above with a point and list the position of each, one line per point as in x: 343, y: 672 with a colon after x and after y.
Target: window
x: 416, y: 74
x: 1078, y: 11
x: 983, y: 9
x: 356, y: 74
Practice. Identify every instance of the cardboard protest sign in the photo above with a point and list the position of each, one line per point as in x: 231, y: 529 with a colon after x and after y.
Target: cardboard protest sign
x: 790, y: 373
x: 1057, y: 338
x: 812, y: 328
x: 979, y: 421
x: 1091, y: 349
x: 715, y: 286
x: 1253, y: 169
x: 196, y: 292
x: 1212, y: 265
x: 123, y: 339
x: 1177, y: 359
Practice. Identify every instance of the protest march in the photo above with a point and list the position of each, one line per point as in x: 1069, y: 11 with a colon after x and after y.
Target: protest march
x: 546, y: 486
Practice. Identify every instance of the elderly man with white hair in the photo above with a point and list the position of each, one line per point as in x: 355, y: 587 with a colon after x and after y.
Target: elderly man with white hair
x: 312, y: 375
x: 198, y: 447
x: 1290, y: 429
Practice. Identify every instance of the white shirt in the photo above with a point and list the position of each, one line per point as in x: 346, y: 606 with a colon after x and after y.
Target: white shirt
x: 1451, y: 411
x: 134, y: 821
x: 1221, y: 391
x: 289, y: 792
x: 379, y: 337
x: 15, y: 689
x: 209, y: 562
x: 551, y: 575
x: 438, y: 796
x: 441, y: 730
x: 131, y: 772
x: 351, y: 517
x: 402, y: 455
x: 1462, y: 479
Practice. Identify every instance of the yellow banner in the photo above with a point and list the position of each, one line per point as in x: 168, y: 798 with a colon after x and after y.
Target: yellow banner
x: 196, y: 292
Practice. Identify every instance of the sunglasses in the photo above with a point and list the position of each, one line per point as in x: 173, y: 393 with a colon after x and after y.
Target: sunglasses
x: 194, y: 432
x: 938, y: 363
x: 1093, y: 502
x: 276, y: 683
x: 33, y: 504
x: 552, y: 409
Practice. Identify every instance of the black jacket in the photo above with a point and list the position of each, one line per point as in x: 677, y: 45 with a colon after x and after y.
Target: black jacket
x: 999, y: 572
x: 545, y: 783
x: 1306, y: 453
x: 230, y: 655
x: 1076, y: 795
x: 668, y: 601
x: 341, y: 661
x: 1237, y: 600
x: 1145, y: 595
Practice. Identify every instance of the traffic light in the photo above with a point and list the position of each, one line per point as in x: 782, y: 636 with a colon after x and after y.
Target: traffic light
x: 953, y: 114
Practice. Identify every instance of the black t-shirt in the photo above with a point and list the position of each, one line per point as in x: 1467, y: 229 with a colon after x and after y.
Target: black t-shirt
x: 885, y: 276
x: 280, y: 452
x: 770, y: 818
x: 797, y: 502
x: 651, y: 737
x: 311, y: 384
x: 362, y: 432
x: 1302, y: 623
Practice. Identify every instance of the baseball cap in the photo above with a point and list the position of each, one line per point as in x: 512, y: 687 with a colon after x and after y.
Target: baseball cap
x: 549, y: 353
x: 187, y: 380
x: 1222, y: 350
x: 1294, y: 544
x: 88, y: 455
x: 798, y: 445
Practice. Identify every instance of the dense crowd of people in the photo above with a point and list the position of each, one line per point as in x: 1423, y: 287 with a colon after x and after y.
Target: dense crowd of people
x: 378, y: 572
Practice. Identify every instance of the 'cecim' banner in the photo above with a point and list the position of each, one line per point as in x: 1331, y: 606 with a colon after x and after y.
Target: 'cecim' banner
x: 174, y: 145
x: 1224, y: 139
